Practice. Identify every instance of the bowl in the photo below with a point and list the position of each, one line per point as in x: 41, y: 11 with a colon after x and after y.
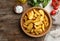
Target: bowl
x: 43, y: 33
x: 18, y: 9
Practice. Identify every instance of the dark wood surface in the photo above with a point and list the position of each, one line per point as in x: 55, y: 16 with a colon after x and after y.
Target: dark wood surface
x: 9, y: 23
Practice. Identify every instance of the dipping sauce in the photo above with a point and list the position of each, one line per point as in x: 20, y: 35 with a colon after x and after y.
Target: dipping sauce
x: 18, y: 9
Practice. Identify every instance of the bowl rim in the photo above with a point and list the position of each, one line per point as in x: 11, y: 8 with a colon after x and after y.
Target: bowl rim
x: 40, y: 34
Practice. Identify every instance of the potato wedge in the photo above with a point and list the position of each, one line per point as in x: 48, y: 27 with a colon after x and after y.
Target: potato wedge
x: 32, y: 31
x: 25, y: 18
x: 36, y: 12
x: 36, y: 32
x: 46, y: 21
x: 38, y: 22
x: 37, y: 19
x: 37, y: 27
x: 30, y: 15
x: 28, y: 21
x: 46, y: 18
x: 41, y: 12
x: 25, y: 26
x: 30, y: 26
x: 43, y: 28
x: 40, y: 30
x: 35, y: 15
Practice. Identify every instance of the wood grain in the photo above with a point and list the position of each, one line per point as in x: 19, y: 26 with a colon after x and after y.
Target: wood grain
x: 9, y: 23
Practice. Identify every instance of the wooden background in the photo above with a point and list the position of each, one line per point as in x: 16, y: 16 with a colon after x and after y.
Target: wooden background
x: 9, y: 23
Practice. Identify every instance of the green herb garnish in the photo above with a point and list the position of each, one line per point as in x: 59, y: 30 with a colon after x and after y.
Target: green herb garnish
x: 37, y: 2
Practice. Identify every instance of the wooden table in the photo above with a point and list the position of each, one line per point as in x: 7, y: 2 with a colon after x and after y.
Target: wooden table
x: 10, y: 29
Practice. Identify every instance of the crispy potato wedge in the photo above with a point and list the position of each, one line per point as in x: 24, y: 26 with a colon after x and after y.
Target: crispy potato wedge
x: 38, y: 22
x: 37, y: 19
x: 32, y: 31
x: 37, y: 27
x: 40, y: 30
x: 46, y: 21
x: 30, y: 26
x: 36, y: 12
x: 35, y: 30
x: 35, y: 15
x: 25, y: 18
x: 25, y: 26
x: 28, y: 21
x: 30, y: 14
x: 41, y: 12
x: 43, y: 28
